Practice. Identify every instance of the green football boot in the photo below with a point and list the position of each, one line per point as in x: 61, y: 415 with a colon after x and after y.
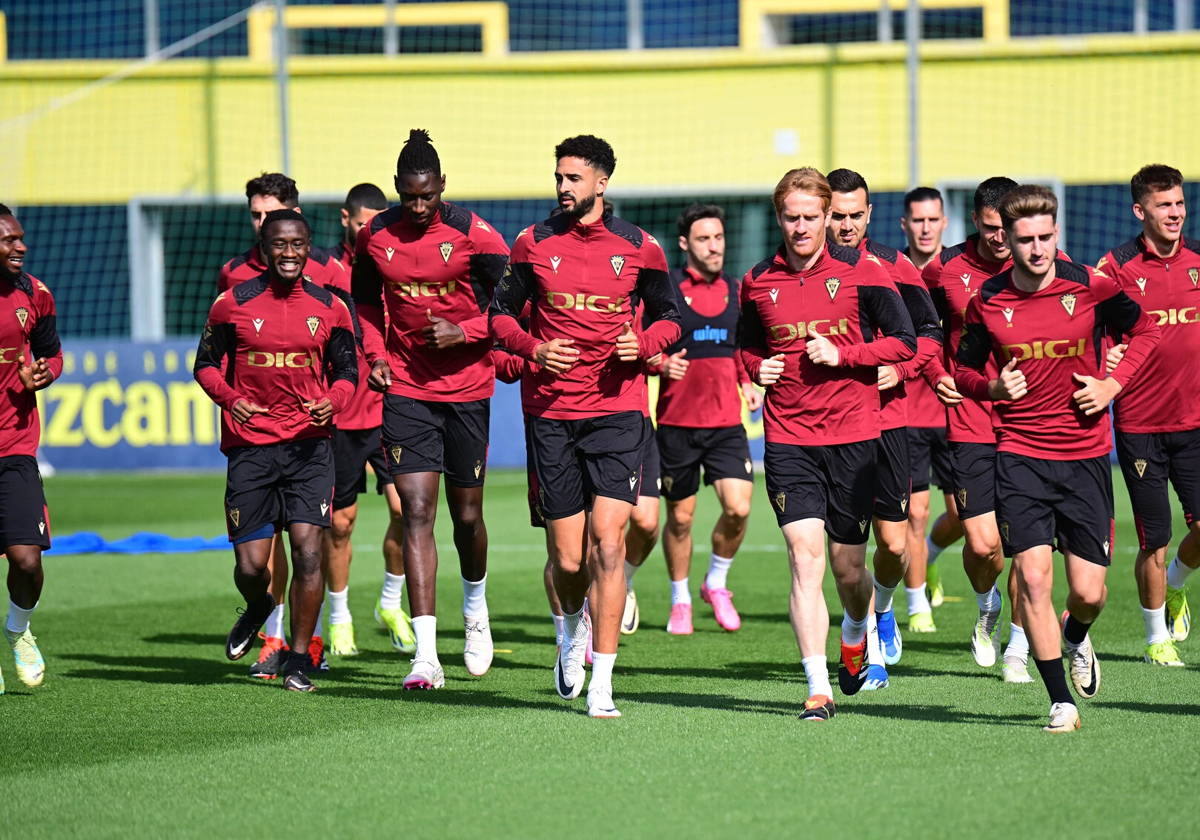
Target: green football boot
x: 399, y: 627
x: 1179, y: 617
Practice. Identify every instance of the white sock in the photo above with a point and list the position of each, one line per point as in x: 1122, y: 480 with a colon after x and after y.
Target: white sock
x: 989, y: 602
x: 393, y: 588
x: 816, y: 671
x: 602, y: 668
x: 679, y: 592
x: 630, y: 571
x: 275, y: 623
x: 1156, y: 625
x: 1018, y: 643
x: 339, y: 606
x: 853, y: 632
x: 475, y: 598
x: 883, y: 597
x: 718, y: 571
x: 1177, y: 573
x: 425, y: 629
x: 320, y: 621
x: 573, y: 626
x: 874, y: 648
x: 934, y: 550
x: 558, y: 629
x: 18, y: 619
x: 917, y: 602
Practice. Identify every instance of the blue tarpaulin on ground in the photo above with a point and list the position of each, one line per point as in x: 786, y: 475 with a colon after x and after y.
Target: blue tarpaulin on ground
x: 88, y: 542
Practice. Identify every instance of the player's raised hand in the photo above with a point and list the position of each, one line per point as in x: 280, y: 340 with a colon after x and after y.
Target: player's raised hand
x: 947, y: 392
x: 753, y: 397
x: 34, y: 377
x: 556, y: 355
x: 244, y: 410
x: 1011, y: 385
x: 321, y: 411
x: 1114, y: 357
x: 822, y: 351
x: 381, y: 376
x: 1096, y: 394
x: 441, y: 334
x: 888, y: 378
x: 627, y: 344
x: 676, y: 365
x: 770, y: 370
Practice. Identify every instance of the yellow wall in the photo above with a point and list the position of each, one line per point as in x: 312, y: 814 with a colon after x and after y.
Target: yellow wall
x: 1099, y: 108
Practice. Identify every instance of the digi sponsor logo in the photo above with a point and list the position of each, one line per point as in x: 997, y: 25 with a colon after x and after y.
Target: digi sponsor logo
x: 801, y: 330
x: 8, y: 355
x: 1060, y: 349
x: 708, y: 333
x: 1173, y: 317
x: 582, y: 301
x: 263, y: 359
x: 428, y: 289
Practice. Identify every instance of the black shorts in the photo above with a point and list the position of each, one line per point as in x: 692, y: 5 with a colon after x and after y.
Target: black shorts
x: 442, y: 437
x: 353, y: 449
x: 279, y: 484
x: 930, y: 456
x: 24, y: 519
x: 570, y: 461
x: 723, y: 452
x: 893, y: 475
x: 1148, y: 461
x: 1043, y: 502
x: 651, y: 462
x: 973, y: 466
x: 834, y: 483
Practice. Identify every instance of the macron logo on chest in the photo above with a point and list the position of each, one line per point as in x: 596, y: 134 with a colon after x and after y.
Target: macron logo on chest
x: 774, y: 293
x: 258, y: 323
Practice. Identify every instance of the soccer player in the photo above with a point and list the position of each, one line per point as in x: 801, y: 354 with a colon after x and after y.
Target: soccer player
x: 1158, y: 412
x: 30, y: 359
x: 700, y: 419
x: 849, y: 216
x: 818, y: 320
x: 434, y: 266
x: 262, y: 358
x: 1041, y: 324
x: 954, y: 277
x: 585, y: 272
x: 923, y: 223
x: 356, y: 444
x: 269, y: 192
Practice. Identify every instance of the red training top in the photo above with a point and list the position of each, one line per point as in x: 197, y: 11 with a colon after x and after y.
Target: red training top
x: 28, y: 327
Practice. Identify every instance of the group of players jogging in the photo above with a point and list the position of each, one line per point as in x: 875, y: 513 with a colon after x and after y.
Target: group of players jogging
x: 986, y: 369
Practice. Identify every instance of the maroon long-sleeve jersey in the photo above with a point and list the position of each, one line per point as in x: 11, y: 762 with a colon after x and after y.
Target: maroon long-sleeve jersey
x: 365, y: 410
x: 1165, y: 395
x: 270, y: 343
x: 29, y: 328
x: 449, y: 269
x: 1055, y: 332
x: 585, y: 282
x: 848, y: 297
x: 708, y: 396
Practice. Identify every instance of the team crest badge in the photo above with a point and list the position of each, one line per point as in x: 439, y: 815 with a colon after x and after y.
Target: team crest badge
x: 749, y: 466
x: 832, y: 284
x: 235, y: 516
x: 668, y: 482
x: 618, y: 263
x: 1068, y: 302
x: 780, y: 499
x: 447, y: 248
x: 478, y: 468
x: 962, y: 496
x: 395, y: 453
x: 314, y: 323
x: 1194, y: 275
x: 554, y: 261
x: 389, y: 252
x: 22, y: 315
x: 1140, y: 466
x: 1141, y: 281
x: 1008, y: 313
x: 1004, y: 530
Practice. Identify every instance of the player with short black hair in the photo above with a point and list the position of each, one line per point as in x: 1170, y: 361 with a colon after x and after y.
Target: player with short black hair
x: 1041, y: 325
x: 849, y: 216
x: 1160, y: 269
x: 584, y: 274
x: 436, y: 373
x: 263, y: 359
x: 30, y: 359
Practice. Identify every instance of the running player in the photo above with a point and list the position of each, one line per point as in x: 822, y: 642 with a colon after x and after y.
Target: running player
x: 954, y: 278
x: 923, y: 223
x: 585, y: 273
x: 850, y: 214
x: 1040, y: 323
x: 436, y: 373
x: 30, y: 359
x: 818, y: 320
x: 269, y: 192
x: 1160, y: 270
x: 255, y: 361
x: 700, y: 419
x: 356, y: 444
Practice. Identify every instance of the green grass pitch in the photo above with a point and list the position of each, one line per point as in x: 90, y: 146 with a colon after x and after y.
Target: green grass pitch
x: 143, y: 728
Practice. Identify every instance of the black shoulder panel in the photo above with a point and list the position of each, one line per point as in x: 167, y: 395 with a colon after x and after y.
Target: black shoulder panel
x: 240, y: 260
x: 245, y: 292
x: 388, y: 217
x: 841, y: 253
x: 994, y: 285
x: 948, y: 254
x: 882, y: 251
x: 631, y: 233
x: 456, y: 217
x: 553, y: 226
x: 1074, y: 272
x: 323, y: 295
x: 24, y: 283
x: 1124, y: 253
x: 762, y: 268
x: 1192, y: 245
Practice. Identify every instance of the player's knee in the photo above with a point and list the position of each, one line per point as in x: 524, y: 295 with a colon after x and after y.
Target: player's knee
x: 982, y: 547
x: 679, y: 521
x: 306, y: 560
x: 1034, y: 581
x: 737, y: 513
x: 645, y: 524
x: 419, y: 514
x: 26, y: 561
x: 343, y: 526
x: 891, y: 547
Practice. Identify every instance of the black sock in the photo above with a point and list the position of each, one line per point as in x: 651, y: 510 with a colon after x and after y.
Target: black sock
x: 261, y: 609
x: 296, y: 662
x: 1055, y: 678
x: 1074, y: 631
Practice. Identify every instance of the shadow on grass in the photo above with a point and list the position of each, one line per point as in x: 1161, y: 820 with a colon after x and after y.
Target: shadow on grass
x: 172, y: 670
x: 204, y: 639
x: 1151, y: 708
